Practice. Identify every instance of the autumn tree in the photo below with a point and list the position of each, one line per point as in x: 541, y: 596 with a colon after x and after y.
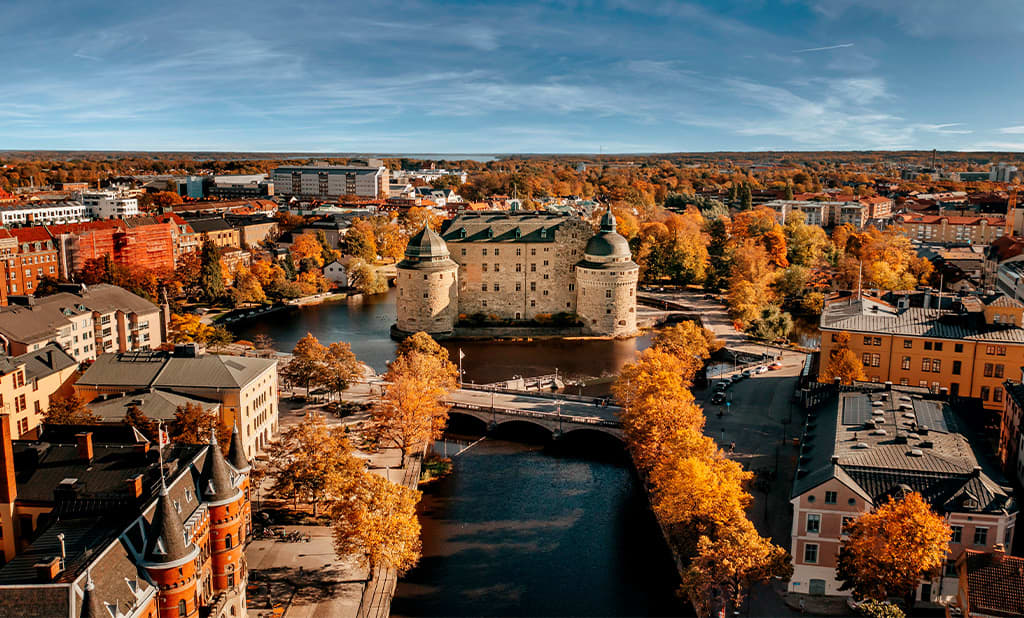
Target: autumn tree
x: 312, y: 462
x: 377, y: 521
x: 359, y: 241
x: 890, y: 549
x: 135, y: 417
x: 69, y: 410
x: 690, y: 342
x: 306, y: 252
x: 193, y: 423
x: 190, y: 328
x: 411, y: 412
x: 341, y: 367
x: 211, y: 275
x: 805, y: 244
x: 247, y: 289
x: 307, y: 363
x: 770, y: 324
x: 366, y: 278
x: 844, y: 364
x: 165, y: 199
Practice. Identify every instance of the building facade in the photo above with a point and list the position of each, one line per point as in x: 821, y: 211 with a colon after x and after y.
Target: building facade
x: 509, y: 267
x: 330, y: 182
x: 28, y: 381
x: 109, y: 205
x: 872, y: 443
x: 16, y: 214
x: 951, y: 229
x: 969, y: 346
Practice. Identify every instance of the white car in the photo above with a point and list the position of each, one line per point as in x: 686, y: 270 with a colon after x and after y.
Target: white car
x: 761, y: 369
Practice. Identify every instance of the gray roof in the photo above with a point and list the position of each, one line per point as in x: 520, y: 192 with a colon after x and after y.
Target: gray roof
x: 236, y: 452
x: 157, y: 404
x: 167, y: 541
x: 870, y: 315
x: 45, y: 361
x: 426, y: 244
x: 877, y: 439
x: 144, y: 369
x: 209, y: 224
x: 217, y: 482
x: 503, y: 227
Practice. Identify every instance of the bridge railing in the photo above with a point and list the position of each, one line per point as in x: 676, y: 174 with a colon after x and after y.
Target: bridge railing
x: 557, y: 396
x: 551, y: 416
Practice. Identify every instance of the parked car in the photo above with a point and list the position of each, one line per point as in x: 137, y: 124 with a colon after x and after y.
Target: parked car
x: 761, y: 369
x: 718, y: 398
x: 747, y: 373
x: 775, y: 365
x: 721, y: 386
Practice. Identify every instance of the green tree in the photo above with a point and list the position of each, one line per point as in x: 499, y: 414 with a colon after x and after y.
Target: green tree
x: 772, y: 323
x: 719, y: 260
x: 211, y: 275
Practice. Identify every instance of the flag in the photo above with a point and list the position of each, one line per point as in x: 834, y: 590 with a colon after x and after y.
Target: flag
x: 462, y: 354
x: 164, y: 438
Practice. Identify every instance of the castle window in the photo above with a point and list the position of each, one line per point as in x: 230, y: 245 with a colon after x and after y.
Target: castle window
x: 608, y: 311
x: 182, y: 612
x: 545, y: 261
x: 519, y: 316
x: 545, y: 275
x: 533, y: 286
x: 424, y: 295
x: 496, y: 250
x: 483, y: 287
x: 533, y: 303
x: 484, y: 303
x: 484, y: 267
x: 545, y: 292
x: 519, y: 286
x: 497, y: 288
x: 463, y: 251
x: 227, y: 542
x: 519, y: 251
x: 533, y: 251
x: 519, y: 268
x: 607, y: 293
x: 533, y: 268
x: 485, y: 251
x: 497, y: 268
x: 424, y: 277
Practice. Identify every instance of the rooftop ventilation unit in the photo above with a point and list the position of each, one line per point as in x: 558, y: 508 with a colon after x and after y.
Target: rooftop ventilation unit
x: 862, y: 445
x: 879, y: 432
x: 916, y: 452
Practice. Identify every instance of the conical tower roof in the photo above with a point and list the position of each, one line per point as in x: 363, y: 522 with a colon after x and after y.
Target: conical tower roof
x: 608, y: 243
x: 215, y: 483
x: 92, y: 606
x: 166, y: 542
x: 236, y: 453
x: 426, y: 244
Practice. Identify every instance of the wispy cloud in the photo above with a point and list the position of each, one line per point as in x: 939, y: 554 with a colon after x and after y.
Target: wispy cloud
x: 826, y: 48
x: 1014, y: 130
x: 949, y: 128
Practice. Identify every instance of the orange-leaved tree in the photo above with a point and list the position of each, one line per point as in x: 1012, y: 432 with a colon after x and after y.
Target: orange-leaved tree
x: 376, y: 520
x: 690, y: 342
x: 889, y: 549
x: 844, y: 364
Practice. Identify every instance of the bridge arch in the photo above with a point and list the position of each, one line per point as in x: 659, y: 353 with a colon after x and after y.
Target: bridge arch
x: 577, y: 431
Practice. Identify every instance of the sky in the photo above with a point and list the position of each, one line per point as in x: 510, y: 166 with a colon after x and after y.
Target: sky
x: 578, y: 76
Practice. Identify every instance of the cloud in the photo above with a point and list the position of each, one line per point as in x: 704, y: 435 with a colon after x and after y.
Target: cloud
x: 1015, y: 130
x: 948, y: 128
x: 818, y: 49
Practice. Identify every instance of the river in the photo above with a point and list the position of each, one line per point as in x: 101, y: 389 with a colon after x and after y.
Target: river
x: 522, y: 527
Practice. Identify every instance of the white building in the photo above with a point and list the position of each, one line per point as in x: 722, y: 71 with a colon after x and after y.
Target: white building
x: 38, y: 214
x: 109, y: 205
x: 329, y: 182
x: 1002, y: 172
x: 336, y: 273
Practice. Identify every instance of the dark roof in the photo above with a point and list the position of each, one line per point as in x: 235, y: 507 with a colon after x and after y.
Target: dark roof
x: 45, y: 361
x: 503, y: 227
x: 211, y: 224
x: 145, y: 369
x: 236, y: 452
x: 995, y: 583
x: 875, y: 438
x: 216, y: 482
x: 426, y: 244
x: 167, y: 540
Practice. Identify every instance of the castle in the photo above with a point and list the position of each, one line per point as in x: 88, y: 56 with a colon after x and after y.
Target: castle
x: 524, y: 267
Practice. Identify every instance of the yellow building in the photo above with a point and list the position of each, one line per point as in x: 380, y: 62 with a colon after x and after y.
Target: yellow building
x: 969, y: 346
x: 28, y: 381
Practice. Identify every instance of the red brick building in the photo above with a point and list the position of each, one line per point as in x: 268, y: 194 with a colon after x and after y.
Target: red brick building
x: 142, y: 242
x: 36, y: 257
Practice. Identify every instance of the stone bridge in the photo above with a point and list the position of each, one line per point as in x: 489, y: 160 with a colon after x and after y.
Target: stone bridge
x: 559, y: 414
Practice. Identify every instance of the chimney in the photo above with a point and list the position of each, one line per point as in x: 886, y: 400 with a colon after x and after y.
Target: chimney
x: 135, y: 486
x: 48, y: 570
x: 84, y: 445
x: 8, y: 484
x: 976, y: 472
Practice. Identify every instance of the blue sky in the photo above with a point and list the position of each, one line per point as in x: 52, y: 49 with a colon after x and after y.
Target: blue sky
x: 548, y: 76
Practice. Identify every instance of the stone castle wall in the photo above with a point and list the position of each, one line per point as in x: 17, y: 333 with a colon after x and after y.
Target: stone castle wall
x: 607, y: 300
x: 428, y: 298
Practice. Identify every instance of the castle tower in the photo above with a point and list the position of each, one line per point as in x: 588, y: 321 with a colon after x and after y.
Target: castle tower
x: 428, y: 286
x: 226, y: 504
x: 606, y: 283
x: 170, y: 559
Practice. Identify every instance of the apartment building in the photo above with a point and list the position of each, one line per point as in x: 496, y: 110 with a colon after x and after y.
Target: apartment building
x: 951, y: 229
x: 97, y: 524
x: 965, y: 345
x: 29, y: 380
x: 820, y: 213
x: 216, y: 230
x: 878, y: 207
x: 330, y: 182
x: 246, y: 389
x: 874, y: 442
x: 138, y: 242
x: 34, y: 213
x: 109, y: 204
x: 990, y: 585
x: 84, y: 322
x: 35, y: 256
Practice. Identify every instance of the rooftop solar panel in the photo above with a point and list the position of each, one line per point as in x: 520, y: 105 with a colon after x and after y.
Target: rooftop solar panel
x: 856, y: 409
x: 930, y: 413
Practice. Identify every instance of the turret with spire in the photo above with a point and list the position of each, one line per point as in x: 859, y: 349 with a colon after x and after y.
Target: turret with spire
x: 236, y: 452
x: 216, y: 484
x: 92, y: 605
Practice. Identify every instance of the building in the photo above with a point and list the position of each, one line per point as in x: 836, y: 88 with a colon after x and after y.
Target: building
x: 244, y: 388
x: 878, y: 207
x: 950, y: 229
x: 253, y: 230
x: 29, y: 380
x: 96, y: 523
x: 216, y: 230
x: 330, y: 182
x: 811, y: 212
x: 336, y: 272
x: 873, y: 442
x: 966, y: 345
x: 516, y: 267
x: 969, y: 176
x: 240, y: 187
x: 32, y: 213
x: 86, y: 322
x: 137, y: 243
x: 991, y: 585
x: 109, y: 205
x: 35, y: 256
x: 1003, y: 172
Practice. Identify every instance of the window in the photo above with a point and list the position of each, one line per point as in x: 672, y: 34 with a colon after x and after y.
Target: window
x: 938, y: 346
x: 908, y: 343
x: 997, y: 394
x: 607, y: 293
x: 926, y: 364
x: 484, y: 252
x: 533, y: 252
x: 831, y: 497
x: 867, y: 340
x: 496, y: 253
x: 533, y: 286
x: 545, y: 261
x: 813, y: 523
x: 984, y: 393
x: 847, y: 520
x: 956, y: 368
x: 483, y: 287
x: 182, y: 612
x: 936, y: 366
x: 463, y: 251
x: 998, y: 370
x: 875, y: 360
x: 811, y: 553
x: 483, y: 267
x: 497, y: 288
x: 980, y: 535
x: 533, y: 268
x: 987, y: 372
x: 227, y: 542
x: 533, y: 303
x: 865, y: 359
x: 519, y: 251
x: 905, y: 363
x: 958, y: 347
x: 519, y: 286
x: 519, y: 268
x: 927, y: 345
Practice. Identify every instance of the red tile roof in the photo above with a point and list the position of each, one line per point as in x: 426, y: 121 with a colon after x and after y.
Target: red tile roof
x: 31, y: 234
x: 995, y: 584
x: 952, y: 219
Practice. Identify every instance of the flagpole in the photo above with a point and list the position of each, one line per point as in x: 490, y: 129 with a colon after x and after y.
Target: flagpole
x: 461, y: 355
